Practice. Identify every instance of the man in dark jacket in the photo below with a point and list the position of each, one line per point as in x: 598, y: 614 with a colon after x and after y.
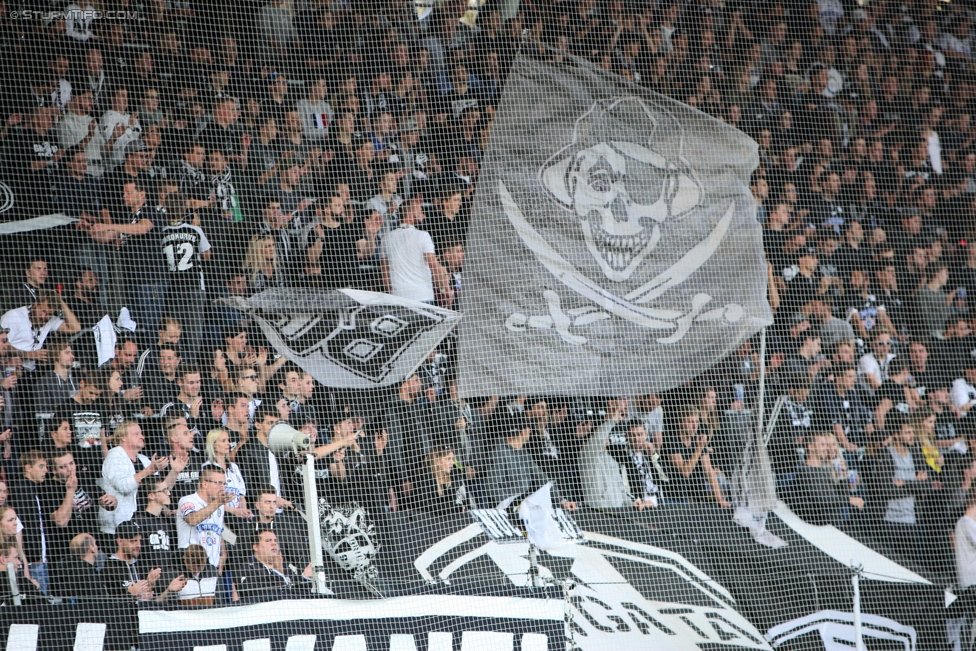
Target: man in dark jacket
x: 407, y: 424
x: 513, y: 471
x: 258, y: 464
x: 818, y: 499
x: 267, y: 577
x: 75, y: 576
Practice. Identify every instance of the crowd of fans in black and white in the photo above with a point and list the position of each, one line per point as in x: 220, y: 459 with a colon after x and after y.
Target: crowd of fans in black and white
x: 212, y: 152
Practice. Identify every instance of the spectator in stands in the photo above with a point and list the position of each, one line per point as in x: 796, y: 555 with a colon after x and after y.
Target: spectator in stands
x: 80, y: 414
x: 604, y: 486
x: 201, y: 578
x: 896, y: 393
x: 819, y: 499
x: 158, y: 527
x: 441, y: 488
x: 410, y: 266
x: 76, y: 575
x: 935, y: 306
x: 266, y: 577
x: 126, y: 577
x: 237, y: 420
x: 258, y: 463
x: 200, y: 515
x: 88, y: 300
x: 513, y: 472
x: 639, y: 461
x: 689, y: 455
x: 32, y: 157
x: 964, y: 388
x: 289, y: 527
x: 965, y: 544
x: 136, y: 234
x: 124, y: 362
x: 42, y: 507
x: 78, y: 132
x: 902, y: 479
x: 181, y: 446
x: 27, y: 290
x: 27, y: 587
x: 28, y: 327
x: 193, y: 182
x: 185, y: 248
x: 238, y: 355
x: 218, y: 456
x: 81, y: 497
x: 56, y: 386
x: 189, y: 403
x: 121, y: 479
x: 316, y: 112
x: 839, y: 409
x: 873, y: 366
x: 163, y: 380
x: 119, y: 127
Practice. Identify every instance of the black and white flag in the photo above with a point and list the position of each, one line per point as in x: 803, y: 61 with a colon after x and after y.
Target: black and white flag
x: 348, y: 338
x: 613, y: 247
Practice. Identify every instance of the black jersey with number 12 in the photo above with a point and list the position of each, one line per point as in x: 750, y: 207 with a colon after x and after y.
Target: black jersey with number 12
x: 182, y: 245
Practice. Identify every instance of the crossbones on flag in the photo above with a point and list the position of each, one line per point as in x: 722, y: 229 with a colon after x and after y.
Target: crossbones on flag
x: 613, y: 247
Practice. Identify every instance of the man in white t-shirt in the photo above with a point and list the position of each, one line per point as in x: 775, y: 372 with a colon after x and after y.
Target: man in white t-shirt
x: 410, y: 265
x: 200, y: 515
x: 964, y: 389
x: 873, y: 367
x: 30, y: 326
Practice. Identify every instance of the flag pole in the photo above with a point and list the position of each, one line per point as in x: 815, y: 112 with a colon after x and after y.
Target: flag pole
x: 762, y: 381
x: 858, y: 629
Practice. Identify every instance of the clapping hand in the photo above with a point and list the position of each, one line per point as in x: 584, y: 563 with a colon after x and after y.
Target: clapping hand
x: 160, y: 463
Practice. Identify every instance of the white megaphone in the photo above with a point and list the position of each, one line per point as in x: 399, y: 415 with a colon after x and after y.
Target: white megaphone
x: 283, y: 438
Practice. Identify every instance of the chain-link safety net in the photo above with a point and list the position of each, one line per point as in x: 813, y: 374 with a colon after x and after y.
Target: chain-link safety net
x: 487, y: 325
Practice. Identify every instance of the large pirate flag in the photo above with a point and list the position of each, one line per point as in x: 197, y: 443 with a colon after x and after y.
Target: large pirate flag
x: 614, y: 248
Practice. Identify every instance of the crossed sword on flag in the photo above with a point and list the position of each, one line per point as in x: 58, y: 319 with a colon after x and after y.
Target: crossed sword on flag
x: 607, y: 303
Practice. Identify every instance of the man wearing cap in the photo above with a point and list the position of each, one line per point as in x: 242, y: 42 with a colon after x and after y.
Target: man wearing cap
x: 410, y: 265
x: 124, y: 576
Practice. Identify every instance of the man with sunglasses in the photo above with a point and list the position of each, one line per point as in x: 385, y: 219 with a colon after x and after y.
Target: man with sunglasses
x: 200, y: 515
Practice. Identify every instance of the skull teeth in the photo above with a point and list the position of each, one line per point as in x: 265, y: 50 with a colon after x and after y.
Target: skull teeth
x: 619, y: 250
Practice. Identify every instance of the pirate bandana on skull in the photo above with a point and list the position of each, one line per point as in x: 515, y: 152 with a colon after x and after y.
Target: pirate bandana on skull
x: 623, y: 177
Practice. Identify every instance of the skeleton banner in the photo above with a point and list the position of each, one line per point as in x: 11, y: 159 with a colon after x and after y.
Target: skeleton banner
x: 613, y: 247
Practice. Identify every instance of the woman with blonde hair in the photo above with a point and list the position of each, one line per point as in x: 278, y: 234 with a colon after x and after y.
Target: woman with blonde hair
x: 11, y: 528
x: 218, y: 454
x: 261, y: 262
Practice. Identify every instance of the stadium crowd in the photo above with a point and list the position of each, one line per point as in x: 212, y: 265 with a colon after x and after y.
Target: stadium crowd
x: 211, y: 151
